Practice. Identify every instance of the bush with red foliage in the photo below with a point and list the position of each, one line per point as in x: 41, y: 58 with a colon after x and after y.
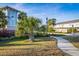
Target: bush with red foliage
x: 6, y: 33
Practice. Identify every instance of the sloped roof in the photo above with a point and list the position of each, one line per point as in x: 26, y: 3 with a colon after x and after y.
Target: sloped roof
x: 71, y: 21
x: 7, y: 7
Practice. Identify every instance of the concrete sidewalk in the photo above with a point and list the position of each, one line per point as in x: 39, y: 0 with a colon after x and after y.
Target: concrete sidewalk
x: 67, y: 47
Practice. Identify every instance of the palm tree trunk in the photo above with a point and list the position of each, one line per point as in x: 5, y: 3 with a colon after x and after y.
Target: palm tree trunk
x: 3, y: 29
x: 31, y: 36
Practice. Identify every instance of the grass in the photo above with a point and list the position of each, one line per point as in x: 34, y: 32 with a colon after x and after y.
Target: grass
x: 43, y: 47
x: 73, y: 39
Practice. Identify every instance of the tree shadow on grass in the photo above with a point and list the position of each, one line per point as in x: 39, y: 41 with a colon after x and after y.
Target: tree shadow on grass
x: 2, y: 45
x: 11, y: 39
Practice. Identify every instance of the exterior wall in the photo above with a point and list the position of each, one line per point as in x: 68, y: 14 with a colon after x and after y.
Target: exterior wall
x: 76, y: 24
x: 78, y: 29
x: 60, y: 30
x: 64, y: 27
x: 11, y: 18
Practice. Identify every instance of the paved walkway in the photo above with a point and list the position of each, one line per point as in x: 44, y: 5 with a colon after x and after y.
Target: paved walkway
x: 67, y: 47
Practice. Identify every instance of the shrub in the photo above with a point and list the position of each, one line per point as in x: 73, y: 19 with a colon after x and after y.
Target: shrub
x: 13, y: 38
x: 41, y: 35
x: 6, y: 33
x: 70, y: 30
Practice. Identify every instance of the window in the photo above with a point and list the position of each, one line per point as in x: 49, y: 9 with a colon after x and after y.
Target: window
x: 12, y: 16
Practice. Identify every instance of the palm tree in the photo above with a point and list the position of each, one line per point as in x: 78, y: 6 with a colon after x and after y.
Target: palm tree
x: 43, y: 29
x: 3, y: 20
x: 27, y: 25
x: 22, y: 16
x: 32, y: 25
x: 51, y: 23
x: 21, y: 24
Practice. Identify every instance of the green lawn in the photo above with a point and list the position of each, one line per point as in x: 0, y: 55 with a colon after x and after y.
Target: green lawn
x: 73, y: 40
x: 40, y: 46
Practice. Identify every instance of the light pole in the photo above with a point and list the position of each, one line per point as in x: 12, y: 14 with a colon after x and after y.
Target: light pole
x: 47, y: 25
x: 72, y: 29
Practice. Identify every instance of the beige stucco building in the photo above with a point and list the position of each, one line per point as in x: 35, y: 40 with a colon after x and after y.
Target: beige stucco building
x: 63, y: 26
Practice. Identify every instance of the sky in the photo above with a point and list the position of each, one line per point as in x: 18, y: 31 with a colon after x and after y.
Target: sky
x: 60, y: 11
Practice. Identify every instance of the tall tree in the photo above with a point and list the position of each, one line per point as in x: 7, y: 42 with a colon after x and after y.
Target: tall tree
x: 27, y: 25
x: 51, y: 23
x: 21, y: 24
x: 43, y: 28
x: 3, y: 20
x: 33, y: 24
